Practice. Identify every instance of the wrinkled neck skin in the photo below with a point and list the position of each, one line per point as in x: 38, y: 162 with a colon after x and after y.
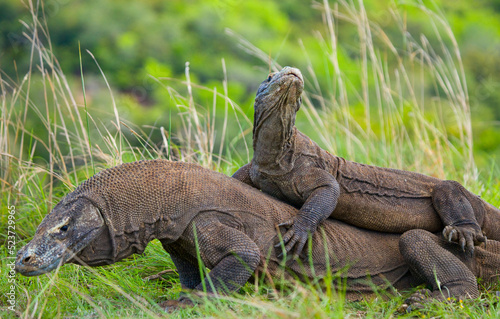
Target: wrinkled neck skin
x: 276, y: 104
x: 272, y: 138
x: 97, y: 253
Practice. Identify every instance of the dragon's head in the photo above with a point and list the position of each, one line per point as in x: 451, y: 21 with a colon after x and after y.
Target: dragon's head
x: 69, y: 228
x: 281, y: 89
x: 277, y: 101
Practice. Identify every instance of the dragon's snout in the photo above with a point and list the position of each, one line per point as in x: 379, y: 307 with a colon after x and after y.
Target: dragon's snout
x: 294, y: 72
x: 26, y: 261
x: 29, y: 263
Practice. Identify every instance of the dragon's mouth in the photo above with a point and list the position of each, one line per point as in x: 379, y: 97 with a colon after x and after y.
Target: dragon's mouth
x: 296, y: 73
x: 35, y: 271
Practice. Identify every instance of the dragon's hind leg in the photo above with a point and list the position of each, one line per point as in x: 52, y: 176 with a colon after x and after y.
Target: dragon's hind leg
x: 439, y: 264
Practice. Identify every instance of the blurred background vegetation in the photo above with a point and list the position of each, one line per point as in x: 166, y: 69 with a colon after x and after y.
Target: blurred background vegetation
x: 139, y: 44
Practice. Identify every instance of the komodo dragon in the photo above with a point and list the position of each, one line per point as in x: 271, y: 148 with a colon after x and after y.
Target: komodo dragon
x: 120, y: 210
x: 291, y: 167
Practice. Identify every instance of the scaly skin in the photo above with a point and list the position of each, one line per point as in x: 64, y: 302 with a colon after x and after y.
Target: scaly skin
x: 290, y: 166
x: 120, y: 210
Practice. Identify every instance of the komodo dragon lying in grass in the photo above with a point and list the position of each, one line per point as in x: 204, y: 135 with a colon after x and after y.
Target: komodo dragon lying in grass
x: 291, y: 167
x: 120, y: 210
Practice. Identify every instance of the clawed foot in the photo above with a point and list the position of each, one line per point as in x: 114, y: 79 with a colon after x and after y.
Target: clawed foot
x: 418, y: 299
x: 467, y: 236
x: 296, y: 236
x: 415, y: 301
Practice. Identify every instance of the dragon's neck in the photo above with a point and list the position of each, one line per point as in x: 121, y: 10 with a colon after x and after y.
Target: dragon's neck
x: 272, y: 138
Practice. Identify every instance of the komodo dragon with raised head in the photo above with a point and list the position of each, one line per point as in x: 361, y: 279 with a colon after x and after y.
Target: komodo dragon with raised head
x: 120, y: 210
x: 290, y: 166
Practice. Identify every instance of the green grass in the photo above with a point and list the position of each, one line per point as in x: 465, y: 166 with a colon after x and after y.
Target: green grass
x: 407, y: 108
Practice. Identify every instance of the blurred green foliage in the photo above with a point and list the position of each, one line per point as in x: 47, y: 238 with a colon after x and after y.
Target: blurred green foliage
x: 137, y: 41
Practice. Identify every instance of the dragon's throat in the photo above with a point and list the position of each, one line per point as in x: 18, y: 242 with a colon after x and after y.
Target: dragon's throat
x: 271, y: 137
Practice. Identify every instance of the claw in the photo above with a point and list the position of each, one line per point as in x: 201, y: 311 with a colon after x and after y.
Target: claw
x: 470, y: 244
x: 282, y: 253
x: 287, y: 223
x: 283, y: 249
x: 462, y: 244
x: 450, y: 235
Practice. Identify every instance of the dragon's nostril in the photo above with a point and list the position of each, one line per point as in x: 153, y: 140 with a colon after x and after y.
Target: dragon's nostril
x: 27, y: 259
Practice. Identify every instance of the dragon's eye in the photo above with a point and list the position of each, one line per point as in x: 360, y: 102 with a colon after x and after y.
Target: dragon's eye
x: 64, y: 228
x: 269, y: 78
